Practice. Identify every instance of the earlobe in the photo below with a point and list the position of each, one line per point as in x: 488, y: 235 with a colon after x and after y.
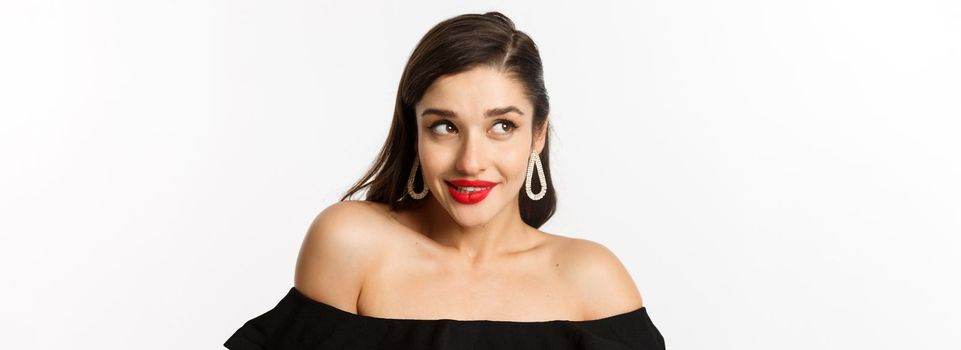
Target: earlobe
x: 541, y: 137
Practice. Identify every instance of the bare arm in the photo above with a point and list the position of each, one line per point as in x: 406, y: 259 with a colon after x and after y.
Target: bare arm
x: 605, y: 285
x: 335, y: 256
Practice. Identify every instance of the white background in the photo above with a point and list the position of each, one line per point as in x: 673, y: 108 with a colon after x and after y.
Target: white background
x: 774, y: 174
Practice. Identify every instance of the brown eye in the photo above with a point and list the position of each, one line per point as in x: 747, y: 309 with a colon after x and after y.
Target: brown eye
x: 435, y: 127
x: 509, y: 126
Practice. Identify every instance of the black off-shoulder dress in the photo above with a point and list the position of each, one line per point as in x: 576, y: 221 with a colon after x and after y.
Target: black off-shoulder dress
x: 299, y: 322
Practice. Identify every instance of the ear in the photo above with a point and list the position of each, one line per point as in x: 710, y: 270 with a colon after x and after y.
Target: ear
x: 541, y: 137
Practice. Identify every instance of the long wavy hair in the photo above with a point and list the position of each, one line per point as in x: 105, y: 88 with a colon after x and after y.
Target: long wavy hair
x: 455, y: 45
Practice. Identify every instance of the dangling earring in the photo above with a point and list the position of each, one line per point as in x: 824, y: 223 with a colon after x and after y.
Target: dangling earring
x: 410, y: 182
x: 535, y: 160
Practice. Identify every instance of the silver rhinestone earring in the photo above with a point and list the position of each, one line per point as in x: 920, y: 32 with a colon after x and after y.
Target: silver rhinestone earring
x: 535, y: 160
x: 410, y: 182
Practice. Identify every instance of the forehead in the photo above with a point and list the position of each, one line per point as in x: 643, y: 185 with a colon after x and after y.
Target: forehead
x: 473, y: 92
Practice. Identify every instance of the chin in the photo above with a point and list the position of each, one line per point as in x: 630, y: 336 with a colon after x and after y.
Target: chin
x: 470, y: 216
x: 473, y: 223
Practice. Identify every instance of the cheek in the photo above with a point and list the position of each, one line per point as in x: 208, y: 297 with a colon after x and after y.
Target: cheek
x: 428, y: 168
x: 435, y: 160
x: 515, y: 165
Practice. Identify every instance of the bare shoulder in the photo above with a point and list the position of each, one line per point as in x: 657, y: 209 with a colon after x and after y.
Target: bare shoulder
x: 337, y: 252
x: 597, y: 275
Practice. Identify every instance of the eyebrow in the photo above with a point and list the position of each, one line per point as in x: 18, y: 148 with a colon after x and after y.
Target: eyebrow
x: 493, y: 112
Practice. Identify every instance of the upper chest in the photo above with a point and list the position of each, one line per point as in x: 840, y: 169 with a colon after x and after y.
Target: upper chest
x: 412, y: 281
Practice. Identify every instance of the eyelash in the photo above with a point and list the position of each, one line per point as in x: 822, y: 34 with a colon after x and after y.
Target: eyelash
x: 512, y: 125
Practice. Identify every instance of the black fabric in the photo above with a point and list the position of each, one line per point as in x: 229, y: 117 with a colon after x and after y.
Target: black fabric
x: 299, y: 322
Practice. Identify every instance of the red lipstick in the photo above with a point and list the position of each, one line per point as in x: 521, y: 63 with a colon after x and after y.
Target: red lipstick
x: 469, y: 197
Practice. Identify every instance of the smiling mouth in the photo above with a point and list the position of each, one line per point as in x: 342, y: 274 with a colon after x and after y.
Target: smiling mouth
x: 468, y: 189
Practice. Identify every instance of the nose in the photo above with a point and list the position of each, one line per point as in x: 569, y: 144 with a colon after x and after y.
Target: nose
x: 472, y: 159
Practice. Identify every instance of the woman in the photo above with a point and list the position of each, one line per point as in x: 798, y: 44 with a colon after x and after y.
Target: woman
x: 444, y: 252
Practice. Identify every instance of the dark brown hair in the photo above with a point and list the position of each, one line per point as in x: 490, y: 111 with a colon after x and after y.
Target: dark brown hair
x: 455, y: 45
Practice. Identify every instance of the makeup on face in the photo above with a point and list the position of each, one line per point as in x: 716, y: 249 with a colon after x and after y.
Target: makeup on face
x: 467, y: 191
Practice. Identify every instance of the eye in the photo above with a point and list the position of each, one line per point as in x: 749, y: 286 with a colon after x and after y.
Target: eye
x: 510, y: 125
x: 443, y: 127
x: 434, y: 127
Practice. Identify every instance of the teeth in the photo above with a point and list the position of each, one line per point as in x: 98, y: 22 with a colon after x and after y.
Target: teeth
x: 469, y: 189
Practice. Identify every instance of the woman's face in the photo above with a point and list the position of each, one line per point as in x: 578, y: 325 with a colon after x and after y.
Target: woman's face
x: 475, y: 125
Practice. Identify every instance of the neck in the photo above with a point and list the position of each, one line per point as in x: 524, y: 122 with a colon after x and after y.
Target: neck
x: 504, y: 234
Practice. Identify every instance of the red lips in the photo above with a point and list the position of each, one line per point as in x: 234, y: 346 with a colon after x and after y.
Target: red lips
x: 469, y: 197
x: 472, y: 183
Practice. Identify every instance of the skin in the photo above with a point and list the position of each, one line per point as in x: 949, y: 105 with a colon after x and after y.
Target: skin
x: 447, y: 260
x: 472, y: 147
